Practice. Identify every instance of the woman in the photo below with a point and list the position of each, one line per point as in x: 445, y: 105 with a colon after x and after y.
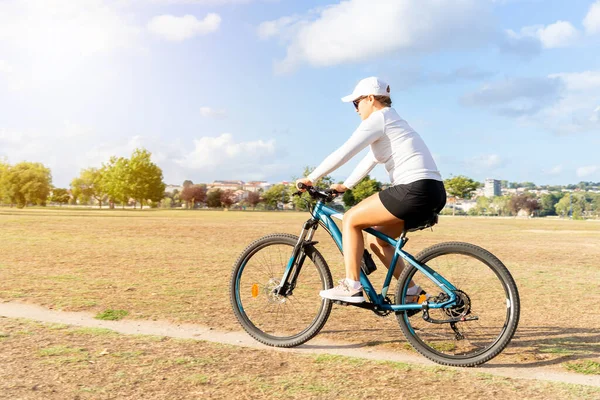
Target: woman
x: 417, y: 189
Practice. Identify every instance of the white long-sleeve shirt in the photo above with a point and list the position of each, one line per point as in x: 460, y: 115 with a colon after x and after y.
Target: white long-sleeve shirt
x: 393, y: 143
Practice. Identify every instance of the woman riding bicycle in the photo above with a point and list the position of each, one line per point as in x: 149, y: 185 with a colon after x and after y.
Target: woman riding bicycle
x: 416, y: 193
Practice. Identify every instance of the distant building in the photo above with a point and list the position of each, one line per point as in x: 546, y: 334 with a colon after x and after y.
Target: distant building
x: 173, y: 188
x: 225, y: 185
x: 255, y: 186
x: 492, y: 188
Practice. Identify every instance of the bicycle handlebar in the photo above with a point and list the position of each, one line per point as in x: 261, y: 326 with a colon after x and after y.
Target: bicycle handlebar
x: 326, y: 195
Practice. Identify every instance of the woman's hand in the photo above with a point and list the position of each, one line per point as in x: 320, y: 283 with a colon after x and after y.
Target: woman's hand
x: 305, y: 181
x: 338, y: 187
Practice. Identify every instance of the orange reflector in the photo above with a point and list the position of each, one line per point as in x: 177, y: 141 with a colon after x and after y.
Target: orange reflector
x: 255, y: 290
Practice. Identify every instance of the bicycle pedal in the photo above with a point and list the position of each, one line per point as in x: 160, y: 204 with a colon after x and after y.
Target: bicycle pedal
x: 341, y: 303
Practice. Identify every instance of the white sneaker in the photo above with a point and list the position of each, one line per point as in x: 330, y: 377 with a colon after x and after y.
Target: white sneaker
x: 343, y: 292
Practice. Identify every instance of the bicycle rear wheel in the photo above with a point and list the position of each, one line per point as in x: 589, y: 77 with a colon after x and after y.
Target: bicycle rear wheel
x: 276, y: 320
x: 486, y: 290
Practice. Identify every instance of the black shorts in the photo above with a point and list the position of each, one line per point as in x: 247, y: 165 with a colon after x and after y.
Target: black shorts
x: 415, y: 202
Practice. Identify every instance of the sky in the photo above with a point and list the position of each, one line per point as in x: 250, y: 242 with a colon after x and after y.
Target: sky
x: 250, y: 89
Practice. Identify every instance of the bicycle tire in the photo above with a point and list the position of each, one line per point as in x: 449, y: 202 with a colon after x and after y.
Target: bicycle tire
x: 434, y: 341
x: 242, y: 304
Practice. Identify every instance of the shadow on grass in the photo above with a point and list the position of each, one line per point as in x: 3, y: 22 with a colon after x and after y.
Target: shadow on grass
x: 530, y: 347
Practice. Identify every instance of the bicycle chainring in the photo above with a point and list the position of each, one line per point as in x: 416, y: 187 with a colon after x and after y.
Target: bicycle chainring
x: 384, y: 313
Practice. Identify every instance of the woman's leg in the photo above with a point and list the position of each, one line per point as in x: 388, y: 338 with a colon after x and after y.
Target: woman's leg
x: 369, y: 212
x: 383, y: 250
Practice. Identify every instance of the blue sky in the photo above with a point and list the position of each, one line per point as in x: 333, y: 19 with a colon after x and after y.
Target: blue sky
x: 250, y: 89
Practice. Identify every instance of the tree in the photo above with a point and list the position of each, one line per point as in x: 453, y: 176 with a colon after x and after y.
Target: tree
x: 276, y: 194
x: 482, y: 207
x: 193, y: 194
x: 60, y: 196
x: 525, y: 202
x: 227, y: 198
x: 213, y: 198
x: 4, y: 166
x: 146, y: 178
x: 115, y: 180
x: 349, y: 199
x: 500, y: 205
x: 460, y: 187
x: 89, y: 185
x: 301, y: 202
x: 365, y: 188
x: 254, y: 199
x: 547, y: 203
x: 27, y: 183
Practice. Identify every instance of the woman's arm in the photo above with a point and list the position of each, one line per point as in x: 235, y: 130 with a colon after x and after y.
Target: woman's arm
x: 361, y: 170
x: 368, y: 131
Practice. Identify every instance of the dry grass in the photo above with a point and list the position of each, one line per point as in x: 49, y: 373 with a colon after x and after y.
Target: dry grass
x: 176, y: 265
x: 58, y: 362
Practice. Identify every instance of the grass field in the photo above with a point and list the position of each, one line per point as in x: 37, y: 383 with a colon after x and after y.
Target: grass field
x: 51, y: 361
x: 176, y: 265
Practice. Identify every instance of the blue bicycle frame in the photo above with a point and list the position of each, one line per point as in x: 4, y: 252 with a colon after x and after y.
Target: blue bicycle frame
x: 321, y: 214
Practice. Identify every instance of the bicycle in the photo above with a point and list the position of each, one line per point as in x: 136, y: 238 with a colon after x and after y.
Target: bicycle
x: 469, y: 317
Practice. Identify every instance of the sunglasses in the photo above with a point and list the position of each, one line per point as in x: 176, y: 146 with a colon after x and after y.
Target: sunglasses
x: 357, y: 101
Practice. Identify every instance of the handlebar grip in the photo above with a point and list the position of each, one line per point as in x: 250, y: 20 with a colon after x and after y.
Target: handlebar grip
x: 301, y: 186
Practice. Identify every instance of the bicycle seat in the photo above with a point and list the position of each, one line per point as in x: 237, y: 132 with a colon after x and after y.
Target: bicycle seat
x: 428, y: 223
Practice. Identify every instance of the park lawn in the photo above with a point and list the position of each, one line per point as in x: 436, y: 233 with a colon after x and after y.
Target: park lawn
x: 176, y: 265
x: 53, y: 361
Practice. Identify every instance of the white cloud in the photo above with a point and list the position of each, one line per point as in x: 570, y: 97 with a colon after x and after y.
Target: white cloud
x: 65, y: 28
x: 559, y: 34
x: 587, y: 170
x: 52, y: 41
x: 359, y: 30
x: 5, y: 68
x: 591, y: 22
x: 71, y: 147
x: 215, y: 153
x: 595, y: 115
x: 203, y: 2
x: 181, y: 28
x: 269, y: 29
x: 485, y: 162
x: 556, y: 170
x: 563, y: 103
x: 210, y: 112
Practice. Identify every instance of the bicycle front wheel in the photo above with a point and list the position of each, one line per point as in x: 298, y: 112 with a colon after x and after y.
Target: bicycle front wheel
x: 488, y: 301
x: 277, y: 320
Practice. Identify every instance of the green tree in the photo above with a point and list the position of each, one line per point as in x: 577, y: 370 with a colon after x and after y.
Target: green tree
x: 89, y: 185
x: 116, y: 180
x: 276, y: 194
x: 571, y: 204
x: 60, y: 196
x: 145, y: 179
x: 500, y: 205
x: 349, y: 200
x: 301, y: 202
x: 547, y: 203
x: 482, y: 207
x: 4, y: 167
x: 213, y: 198
x: 365, y: 188
x: 460, y: 187
x: 27, y: 183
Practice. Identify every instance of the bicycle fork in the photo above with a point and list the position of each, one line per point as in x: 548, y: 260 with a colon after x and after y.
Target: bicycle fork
x: 288, y: 282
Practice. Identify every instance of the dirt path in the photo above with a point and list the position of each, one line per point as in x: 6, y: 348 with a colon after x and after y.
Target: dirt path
x: 315, y: 346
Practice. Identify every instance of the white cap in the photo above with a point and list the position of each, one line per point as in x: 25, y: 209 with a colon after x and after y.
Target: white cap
x: 367, y: 86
